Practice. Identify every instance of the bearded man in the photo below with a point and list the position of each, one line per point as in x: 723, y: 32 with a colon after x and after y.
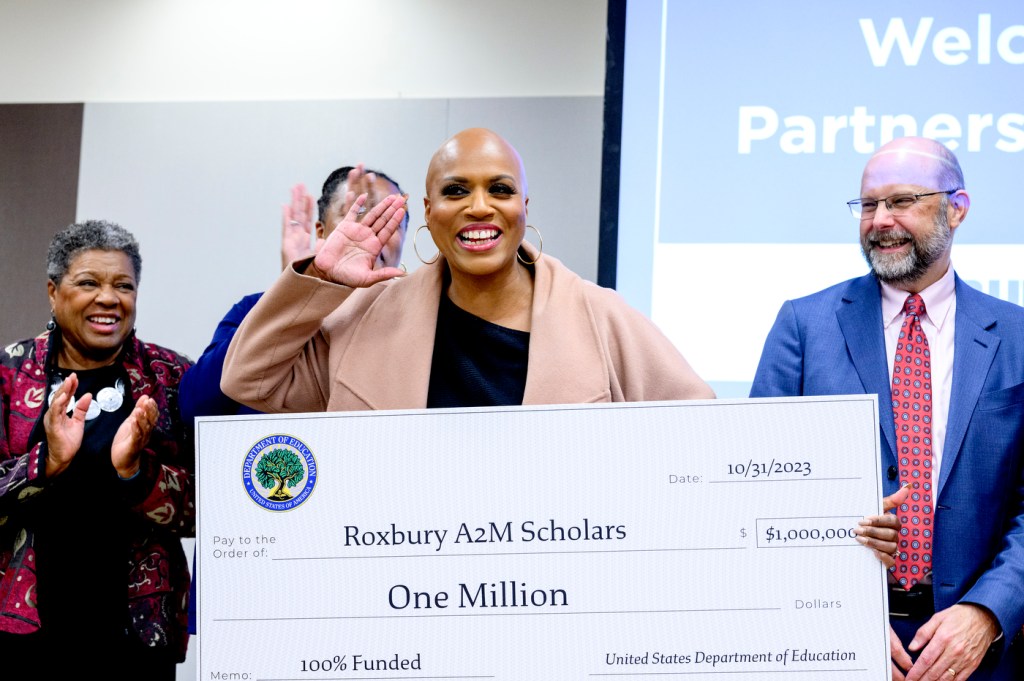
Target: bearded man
x: 947, y: 364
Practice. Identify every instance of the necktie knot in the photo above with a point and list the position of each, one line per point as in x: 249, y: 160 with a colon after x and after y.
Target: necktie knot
x: 914, y: 305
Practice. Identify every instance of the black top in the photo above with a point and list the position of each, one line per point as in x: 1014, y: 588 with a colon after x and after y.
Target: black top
x: 476, y: 363
x: 80, y: 522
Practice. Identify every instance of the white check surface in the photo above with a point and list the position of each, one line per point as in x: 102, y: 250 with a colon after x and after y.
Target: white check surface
x: 715, y: 545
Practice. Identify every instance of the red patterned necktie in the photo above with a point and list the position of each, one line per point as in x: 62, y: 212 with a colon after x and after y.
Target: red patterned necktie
x: 912, y: 410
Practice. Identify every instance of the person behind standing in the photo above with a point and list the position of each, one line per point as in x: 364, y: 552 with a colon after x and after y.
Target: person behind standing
x: 200, y: 387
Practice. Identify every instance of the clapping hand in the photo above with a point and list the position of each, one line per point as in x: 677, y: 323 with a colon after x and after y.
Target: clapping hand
x: 132, y: 436
x: 63, y: 431
x: 296, y: 226
x: 359, y: 182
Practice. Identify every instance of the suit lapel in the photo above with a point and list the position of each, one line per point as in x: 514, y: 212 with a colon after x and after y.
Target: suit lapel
x: 860, y: 319
x: 975, y: 348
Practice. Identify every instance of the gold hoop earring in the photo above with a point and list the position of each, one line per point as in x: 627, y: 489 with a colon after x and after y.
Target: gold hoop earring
x: 416, y: 247
x: 540, y: 249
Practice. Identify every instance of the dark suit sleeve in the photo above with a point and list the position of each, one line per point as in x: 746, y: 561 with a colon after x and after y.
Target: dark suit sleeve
x: 200, y: 393
x: 780, y: 372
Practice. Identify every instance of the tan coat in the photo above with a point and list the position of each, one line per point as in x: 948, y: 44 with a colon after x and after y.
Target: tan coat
x: 311, y: 345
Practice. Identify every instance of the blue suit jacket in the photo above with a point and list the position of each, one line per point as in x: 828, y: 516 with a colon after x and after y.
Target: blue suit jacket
x: 832, y: 343
x: 199, y: 395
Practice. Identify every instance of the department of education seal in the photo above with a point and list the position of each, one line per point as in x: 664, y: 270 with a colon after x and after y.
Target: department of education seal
x: 279, y: 472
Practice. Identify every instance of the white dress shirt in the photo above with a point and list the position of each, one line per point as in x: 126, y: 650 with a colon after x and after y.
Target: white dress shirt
x: 939, y: 324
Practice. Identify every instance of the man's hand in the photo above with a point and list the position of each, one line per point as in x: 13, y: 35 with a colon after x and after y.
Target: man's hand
x: 901, y: 662
x: 952, y: 643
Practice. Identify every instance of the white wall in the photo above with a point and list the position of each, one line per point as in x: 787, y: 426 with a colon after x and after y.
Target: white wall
x: 223, y: 50
x: 201, y: 184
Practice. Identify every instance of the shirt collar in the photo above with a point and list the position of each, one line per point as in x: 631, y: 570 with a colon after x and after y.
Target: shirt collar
x: 938, y: 298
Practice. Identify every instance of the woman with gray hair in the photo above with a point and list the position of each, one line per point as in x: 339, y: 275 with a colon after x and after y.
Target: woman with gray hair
x: 96, y: 477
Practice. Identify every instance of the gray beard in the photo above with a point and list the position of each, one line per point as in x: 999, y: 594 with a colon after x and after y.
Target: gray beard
x: 896, y: 269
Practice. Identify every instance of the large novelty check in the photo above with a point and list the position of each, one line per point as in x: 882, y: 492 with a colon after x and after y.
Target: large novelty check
x: 699, y: 540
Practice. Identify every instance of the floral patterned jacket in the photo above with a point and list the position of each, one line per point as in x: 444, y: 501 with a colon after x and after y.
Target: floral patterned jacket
x: 161, y: 495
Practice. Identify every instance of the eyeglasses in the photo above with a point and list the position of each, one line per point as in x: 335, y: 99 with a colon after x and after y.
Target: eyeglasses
x: 897, y: 204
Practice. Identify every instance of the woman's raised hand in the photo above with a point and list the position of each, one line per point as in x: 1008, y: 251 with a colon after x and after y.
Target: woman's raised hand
x: 64, y: 432
x: 350, y: 254
x: 296, y: 226
x: 132, y: 436
x: 359, y: 182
